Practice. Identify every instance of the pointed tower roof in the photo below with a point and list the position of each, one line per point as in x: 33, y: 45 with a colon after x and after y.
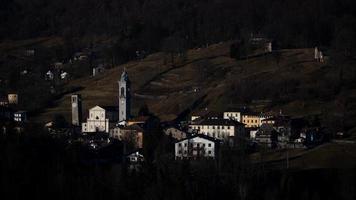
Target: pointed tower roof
x: 124, y: 76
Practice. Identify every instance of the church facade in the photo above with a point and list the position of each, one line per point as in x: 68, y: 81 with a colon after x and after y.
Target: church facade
x: 100, y: 119
x: 105, y: 118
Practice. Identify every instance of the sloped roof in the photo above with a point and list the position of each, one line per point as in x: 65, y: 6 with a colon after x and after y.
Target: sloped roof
x: 218, y: 122
x: 200, y: 136
x: 135, y: 127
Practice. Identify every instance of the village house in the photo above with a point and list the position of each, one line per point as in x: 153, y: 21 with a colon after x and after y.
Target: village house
x: 251, y: 132
x: 175, y: 133
x: 98, y: 70
x: 281, y: 123
x: 251, y: 120
x: 222, y: 129
x: 13, y: 98
x: 64, y: 75
x: 30, y: 52
x: 135, y: 160
x: 196, y: 147
x: 234, y: 115
x: 206, y: 114
x: 4, y: 102
x: 132, y: 135
x: 20, y: 116
x: 100, y: 119
x: 49, y: 76
x: 267, y: 136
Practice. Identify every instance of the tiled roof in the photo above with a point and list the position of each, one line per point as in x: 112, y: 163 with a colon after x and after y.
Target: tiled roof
x: 200, y: 136
x: 226, y: 122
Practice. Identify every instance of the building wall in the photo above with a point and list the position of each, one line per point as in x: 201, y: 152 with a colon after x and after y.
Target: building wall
x: 20, y: 117
x: 175, y: 133
x: 233, y: 115
x: 251, y: 121
x: 13, y: 98
x: 132, y: 136
x: 215, y: 131
x: 195, y: 147
x: 97, y: 121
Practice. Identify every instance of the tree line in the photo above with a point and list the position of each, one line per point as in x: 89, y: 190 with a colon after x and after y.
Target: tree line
x: 147, y: 24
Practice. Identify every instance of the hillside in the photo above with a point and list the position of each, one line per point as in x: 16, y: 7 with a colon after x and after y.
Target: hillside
x: 208, y: 77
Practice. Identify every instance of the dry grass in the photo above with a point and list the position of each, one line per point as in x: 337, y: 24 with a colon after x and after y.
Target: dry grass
x: 169, y: 89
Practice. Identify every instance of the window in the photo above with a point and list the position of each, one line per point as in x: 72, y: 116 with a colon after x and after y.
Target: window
x: 185, y: 144
x: 179, y: 144
x: 228, y: 127
x: 209, y: 152
x: 213, y: 127
x: 180, y: 152
x: 222, y: 127
x: 209, y: 145
x: 203, y: 145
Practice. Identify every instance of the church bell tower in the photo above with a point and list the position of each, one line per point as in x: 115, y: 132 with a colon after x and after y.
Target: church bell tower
x: 124, y: 97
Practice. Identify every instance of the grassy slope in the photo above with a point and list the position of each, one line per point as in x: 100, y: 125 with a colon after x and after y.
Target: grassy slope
x: 168, y: 90
x: 329, y: 155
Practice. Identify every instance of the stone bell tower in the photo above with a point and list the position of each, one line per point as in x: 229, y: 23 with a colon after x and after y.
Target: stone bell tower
x: 124, y: 97
x: 76, y: 101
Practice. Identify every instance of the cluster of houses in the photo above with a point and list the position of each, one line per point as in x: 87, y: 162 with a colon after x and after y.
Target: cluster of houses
x: 208, y: 130
x: 201, y: 137
x: 10, y: 113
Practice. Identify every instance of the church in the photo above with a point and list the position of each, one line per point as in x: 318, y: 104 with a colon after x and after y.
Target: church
x: 104, y: 118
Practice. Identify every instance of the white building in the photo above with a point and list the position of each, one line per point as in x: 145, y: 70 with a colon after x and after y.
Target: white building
x: 98, y: 70
x: 234, y: 115
x: 198, y: 146
x: 100, y: 119
x: 49, y: 75
x: 218, y: 128
x: 64, y: 75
